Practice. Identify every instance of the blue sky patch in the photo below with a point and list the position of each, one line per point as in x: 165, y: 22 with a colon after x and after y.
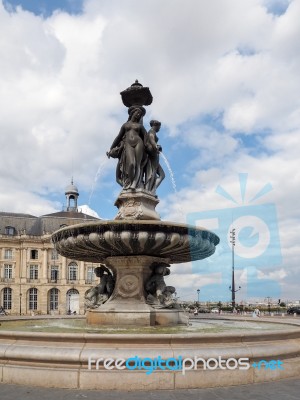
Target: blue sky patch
x: 45, y: 7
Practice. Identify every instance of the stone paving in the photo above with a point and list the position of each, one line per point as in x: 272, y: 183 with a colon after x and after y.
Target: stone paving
x: 281, y: 390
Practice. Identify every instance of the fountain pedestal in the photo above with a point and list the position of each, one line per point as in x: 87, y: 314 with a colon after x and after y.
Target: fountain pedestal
x: 127, y: 304
x: 138, y: 204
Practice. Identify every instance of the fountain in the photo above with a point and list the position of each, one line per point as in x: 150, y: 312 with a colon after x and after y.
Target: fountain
x: 116, y: 351
x: 136, y: 247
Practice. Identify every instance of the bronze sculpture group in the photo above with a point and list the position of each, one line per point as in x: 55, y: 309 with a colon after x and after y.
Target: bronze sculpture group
x: 138, y: 154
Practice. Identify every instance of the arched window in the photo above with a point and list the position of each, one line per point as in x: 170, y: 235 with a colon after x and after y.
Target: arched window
x: 70, y: 292
x: 53, y: 299
x: 73, y: 272
x: 72, y: 203
x: 33, y: 299
x: 7, y: 295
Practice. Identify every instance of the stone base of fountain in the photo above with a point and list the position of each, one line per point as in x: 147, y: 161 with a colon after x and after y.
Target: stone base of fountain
x: 137, y: 317
x: 138, y: 204
x: 127, y: 305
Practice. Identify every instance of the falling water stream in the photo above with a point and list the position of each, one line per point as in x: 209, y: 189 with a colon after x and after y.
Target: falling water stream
x: 172, y: 181
x: 98, y: 174
x: 170, y: 172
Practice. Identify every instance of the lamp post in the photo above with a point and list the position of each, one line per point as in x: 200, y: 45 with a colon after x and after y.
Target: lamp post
x: 69, y: 310
x: 20, y: 303
x: 232, y: 287
x: 198, y: 292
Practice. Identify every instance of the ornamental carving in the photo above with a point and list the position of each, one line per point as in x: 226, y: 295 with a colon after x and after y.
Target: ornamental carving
x: 129, y: 285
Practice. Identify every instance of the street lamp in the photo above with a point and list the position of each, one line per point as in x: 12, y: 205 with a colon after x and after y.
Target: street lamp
x: 20, y: 303
x: 198, y: 292
x: 232, y: 287
x: 69, y: 310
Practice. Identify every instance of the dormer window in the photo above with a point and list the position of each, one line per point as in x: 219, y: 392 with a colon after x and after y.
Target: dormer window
x: 10, y: 230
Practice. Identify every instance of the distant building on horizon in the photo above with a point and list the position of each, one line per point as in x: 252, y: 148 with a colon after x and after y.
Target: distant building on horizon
x: 34, y: 278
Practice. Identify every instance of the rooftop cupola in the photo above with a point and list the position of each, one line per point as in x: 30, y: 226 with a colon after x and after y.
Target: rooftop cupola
x: 72, y: 196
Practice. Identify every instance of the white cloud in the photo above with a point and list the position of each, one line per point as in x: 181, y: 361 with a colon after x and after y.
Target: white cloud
x: 87, y: 210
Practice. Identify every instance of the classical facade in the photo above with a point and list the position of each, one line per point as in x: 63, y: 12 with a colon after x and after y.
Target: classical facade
x: 34, y: 278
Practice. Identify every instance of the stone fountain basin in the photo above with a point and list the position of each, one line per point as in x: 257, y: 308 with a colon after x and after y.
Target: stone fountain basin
x: 94, y: 242
x: 61, y: 359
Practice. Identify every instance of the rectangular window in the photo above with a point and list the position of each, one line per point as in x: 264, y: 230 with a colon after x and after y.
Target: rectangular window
x: 8, y: 254
x: 7, y: 298
x: 90, y: 275
x: 7, y: 271
x: 33, y: 272
x: 54, y: 299
x: 54, y: 254
x: 34, y: 254
x: 33, y: 299
x: 73, y: 272
x: 54, y: 273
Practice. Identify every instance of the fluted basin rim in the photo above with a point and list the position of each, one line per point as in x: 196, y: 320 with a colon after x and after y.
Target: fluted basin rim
x: 122, y: 223
x: 95, y: 241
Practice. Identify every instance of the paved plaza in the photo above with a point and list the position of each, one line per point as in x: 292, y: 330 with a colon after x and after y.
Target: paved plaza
x: 288, y: 389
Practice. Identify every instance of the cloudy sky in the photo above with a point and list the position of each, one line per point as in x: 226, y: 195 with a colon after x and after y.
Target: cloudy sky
x: 224, y: 75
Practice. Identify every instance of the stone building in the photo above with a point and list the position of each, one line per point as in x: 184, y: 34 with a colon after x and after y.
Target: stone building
x: 33, y: 277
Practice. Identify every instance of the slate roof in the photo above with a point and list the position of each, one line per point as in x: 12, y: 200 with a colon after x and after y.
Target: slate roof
x: 37, y: 226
